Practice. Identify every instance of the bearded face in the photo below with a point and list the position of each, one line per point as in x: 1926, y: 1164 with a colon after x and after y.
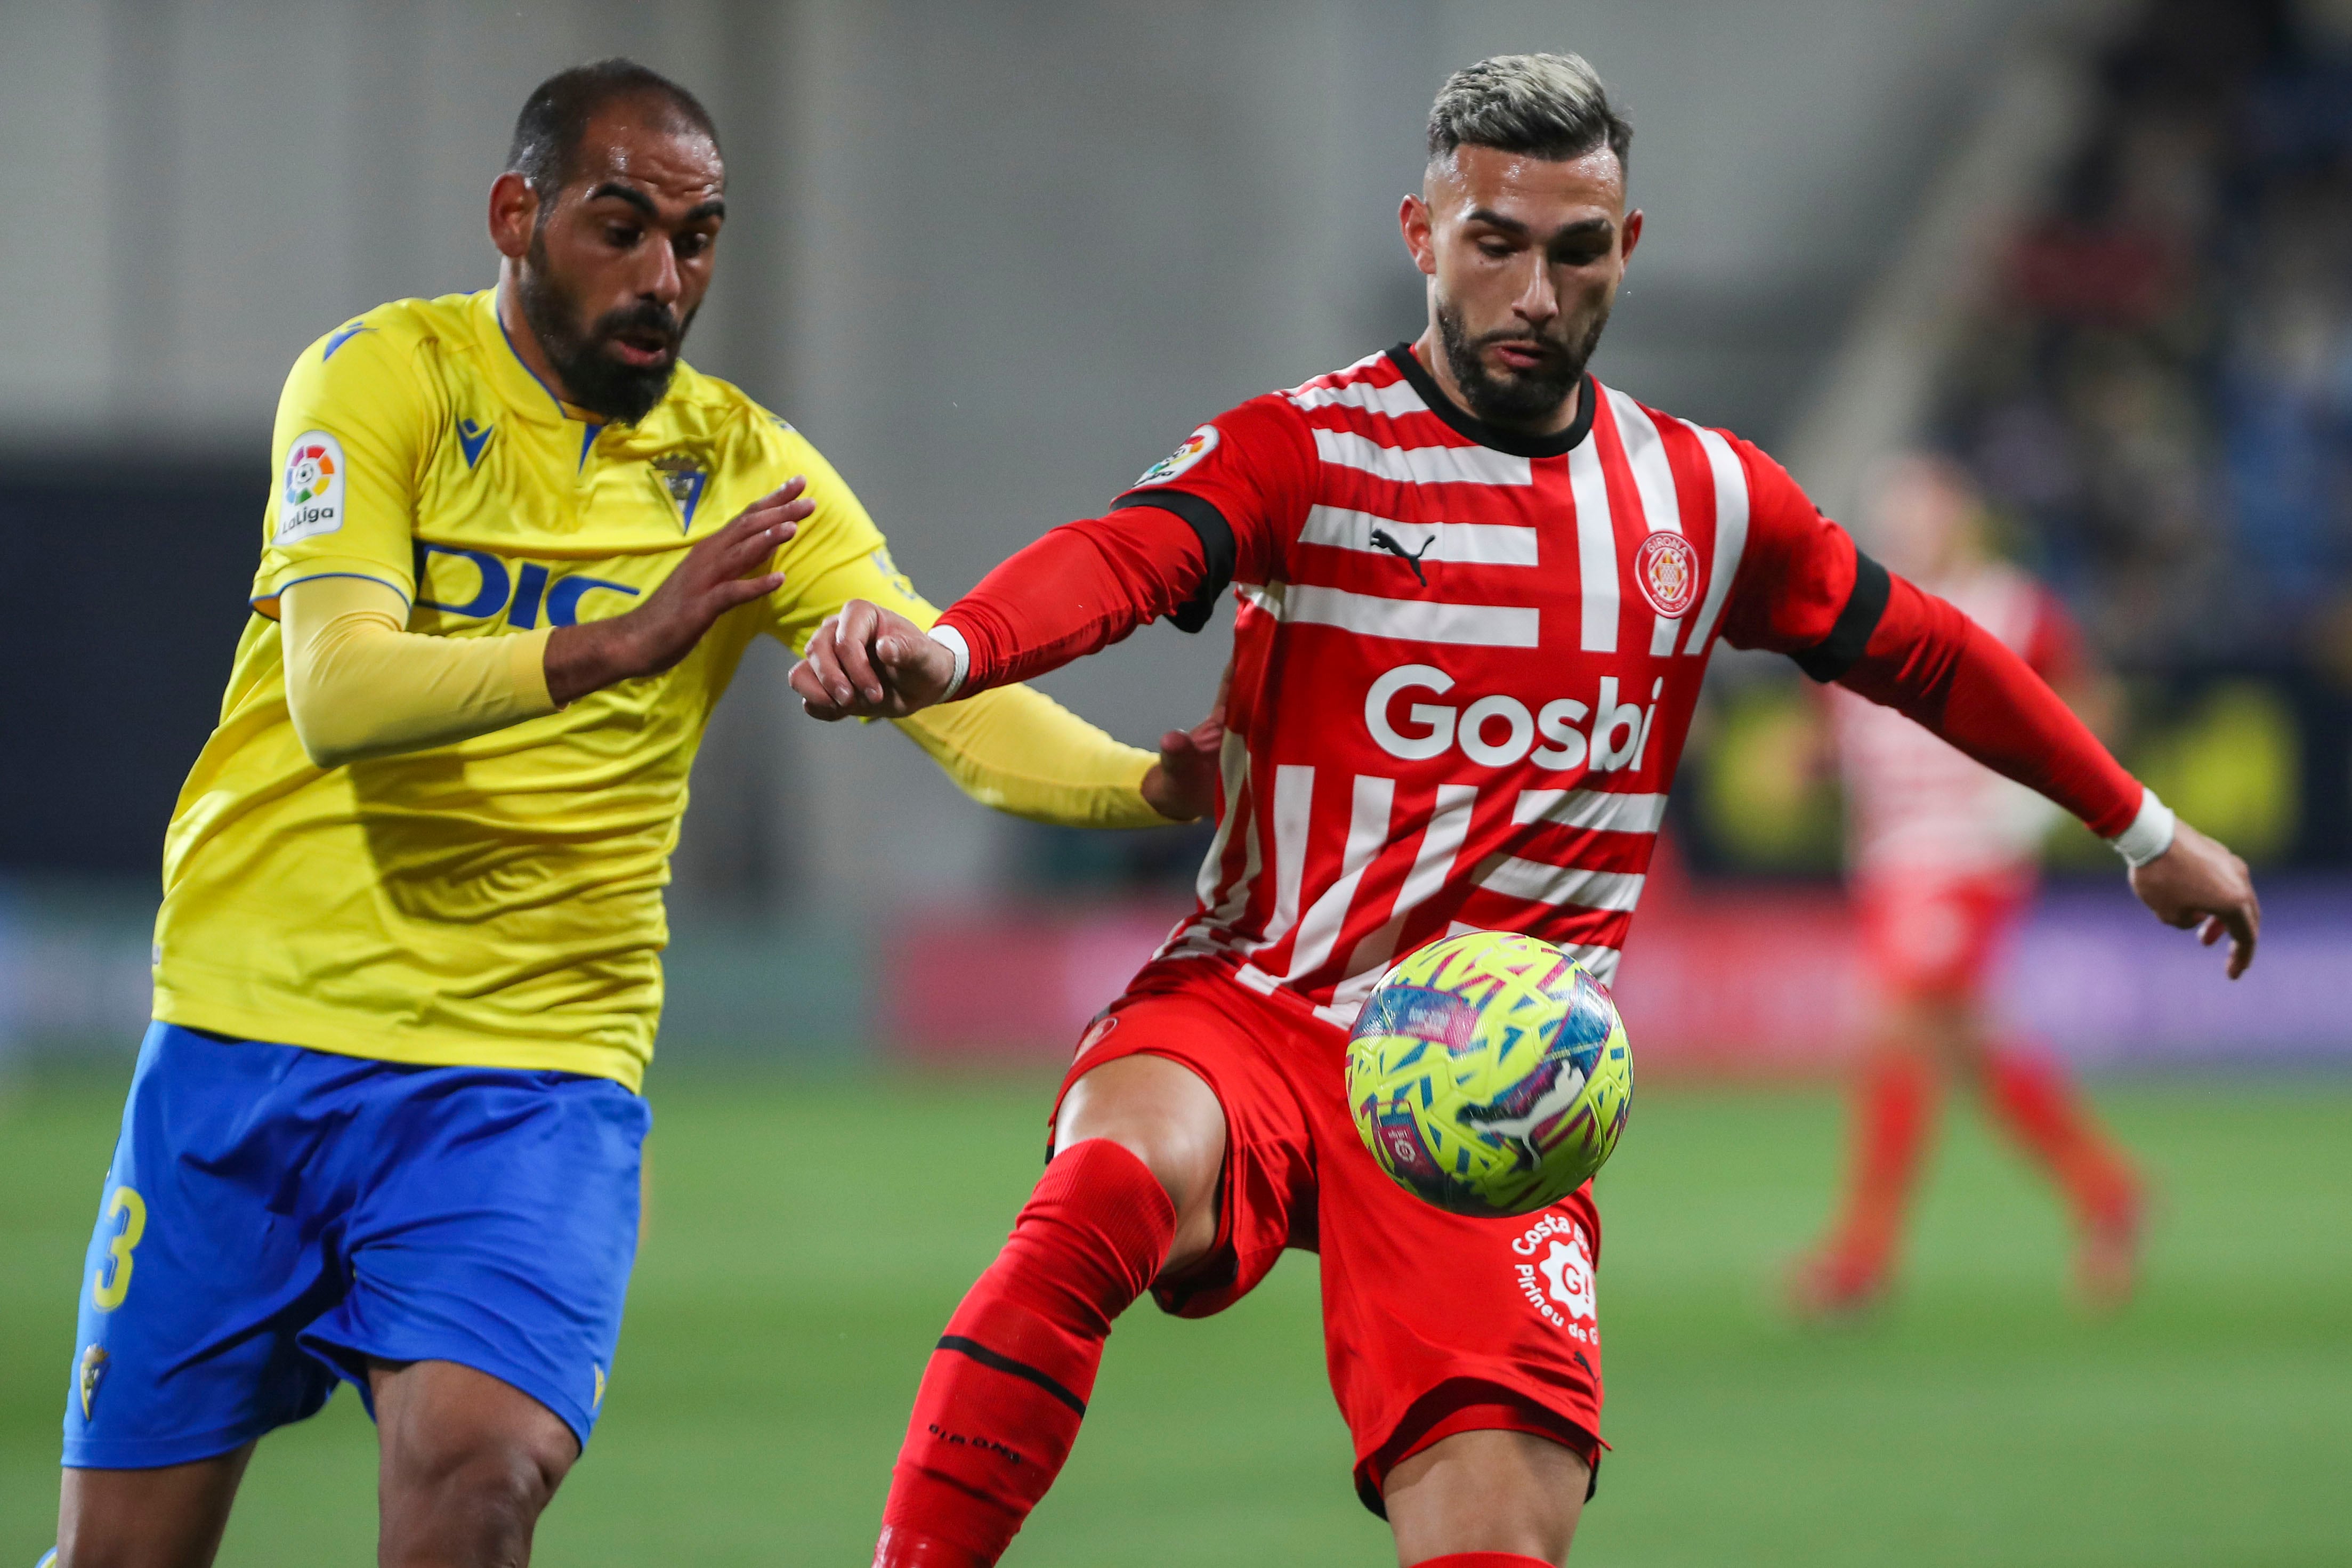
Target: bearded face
x: 618, y: 364
x: 1526, y: 388
x: 1524, y: 256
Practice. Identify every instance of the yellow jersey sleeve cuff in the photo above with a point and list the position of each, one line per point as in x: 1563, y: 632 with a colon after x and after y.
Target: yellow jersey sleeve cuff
x: 1017, y: 750
x: 530, y: 672
x: 271, y: 586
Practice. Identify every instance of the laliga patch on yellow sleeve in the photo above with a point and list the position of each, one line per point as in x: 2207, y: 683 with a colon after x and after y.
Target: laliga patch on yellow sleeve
x: 310, y: 502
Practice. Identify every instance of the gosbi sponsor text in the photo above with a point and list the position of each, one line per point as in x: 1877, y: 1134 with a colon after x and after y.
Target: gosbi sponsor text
x: 1496, y: 731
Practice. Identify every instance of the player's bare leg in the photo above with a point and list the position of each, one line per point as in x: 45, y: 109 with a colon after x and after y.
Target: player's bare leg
x: 1130, y: 1193
x: 468, y: 1463
x: 166, y: 1518
x: 1487, y: 1491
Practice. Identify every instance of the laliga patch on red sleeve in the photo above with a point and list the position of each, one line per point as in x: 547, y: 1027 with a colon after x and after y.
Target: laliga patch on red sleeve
x: 1195, y: 446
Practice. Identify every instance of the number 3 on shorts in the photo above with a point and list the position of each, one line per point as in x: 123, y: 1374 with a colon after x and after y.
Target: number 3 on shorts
x: 111, y: 1281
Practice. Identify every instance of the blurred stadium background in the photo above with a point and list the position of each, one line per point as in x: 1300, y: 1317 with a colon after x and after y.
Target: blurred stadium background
x: 996, y: 259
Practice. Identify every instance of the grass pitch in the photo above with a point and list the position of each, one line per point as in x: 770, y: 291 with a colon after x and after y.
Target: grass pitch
x: 808, y: 1236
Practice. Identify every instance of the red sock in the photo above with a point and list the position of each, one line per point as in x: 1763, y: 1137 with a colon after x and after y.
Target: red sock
x: 2031, y: 1097
x: 1481, y: 1560
x: 1894, y: 1103
x: 1002, y: 1397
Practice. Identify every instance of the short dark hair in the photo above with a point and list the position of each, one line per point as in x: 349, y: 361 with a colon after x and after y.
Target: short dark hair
x: 1543, y: 106
x: 555, y: 116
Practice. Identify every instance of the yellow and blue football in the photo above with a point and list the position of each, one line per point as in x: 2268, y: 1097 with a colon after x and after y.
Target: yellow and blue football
x: 1490, y: 1074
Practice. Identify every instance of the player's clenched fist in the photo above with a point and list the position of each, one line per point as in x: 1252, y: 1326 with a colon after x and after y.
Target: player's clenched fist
x: 869, y: 662
x: 728, y: 569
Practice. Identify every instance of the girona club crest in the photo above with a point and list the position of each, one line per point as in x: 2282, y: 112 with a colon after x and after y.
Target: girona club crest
x: 1667, y: 568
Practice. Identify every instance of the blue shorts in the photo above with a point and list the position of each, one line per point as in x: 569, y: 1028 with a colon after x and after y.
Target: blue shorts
x: 274, y: 1217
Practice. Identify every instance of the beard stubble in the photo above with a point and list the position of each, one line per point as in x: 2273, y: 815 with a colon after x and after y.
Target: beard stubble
x: 595, y: 379
x: 1527, y: 400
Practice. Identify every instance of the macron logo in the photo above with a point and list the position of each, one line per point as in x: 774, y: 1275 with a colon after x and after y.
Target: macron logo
x: 341, y: 337
x: 473, y: 437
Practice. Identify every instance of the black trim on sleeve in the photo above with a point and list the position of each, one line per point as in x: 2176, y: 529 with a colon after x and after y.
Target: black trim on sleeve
x: 1837, y: 653
x: 1217, y: 550
x: 1006, y: 1364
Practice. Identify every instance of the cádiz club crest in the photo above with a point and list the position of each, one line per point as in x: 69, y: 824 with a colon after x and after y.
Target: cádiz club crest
x: 92, y: 1373
x: 684, y: 477
x: 1667, y: 568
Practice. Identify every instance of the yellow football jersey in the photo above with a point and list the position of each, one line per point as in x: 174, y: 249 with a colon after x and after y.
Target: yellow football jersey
x: 495, y: 902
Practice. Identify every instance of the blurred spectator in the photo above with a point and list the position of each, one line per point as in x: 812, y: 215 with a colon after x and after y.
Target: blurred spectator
x: 2159, y: 389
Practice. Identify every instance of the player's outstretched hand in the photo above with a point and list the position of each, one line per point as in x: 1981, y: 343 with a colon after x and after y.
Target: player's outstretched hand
x: 729, y: 568
x: 866, y: 662
x: 2199, y: 883
x: 1182, y: 785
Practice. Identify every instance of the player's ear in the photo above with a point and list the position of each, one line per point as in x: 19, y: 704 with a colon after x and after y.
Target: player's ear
x: 1414, y: 220
x: 514, y: 211
x: 1630, y: 235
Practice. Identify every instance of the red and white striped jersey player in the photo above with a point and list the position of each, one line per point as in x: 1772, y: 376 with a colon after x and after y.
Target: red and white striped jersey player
x: 1478, y: 591
x: 1941, y: 861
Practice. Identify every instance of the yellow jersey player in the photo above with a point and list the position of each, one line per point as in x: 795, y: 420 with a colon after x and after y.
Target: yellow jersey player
x: 385, y: 1128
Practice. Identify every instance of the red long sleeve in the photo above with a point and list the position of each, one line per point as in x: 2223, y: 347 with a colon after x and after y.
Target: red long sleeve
x: 1931, y: 663
x: 1082, y: 587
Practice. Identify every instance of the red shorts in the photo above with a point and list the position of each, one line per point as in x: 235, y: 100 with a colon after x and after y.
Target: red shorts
x: 1931, y: 935
x: 1433, y: 1323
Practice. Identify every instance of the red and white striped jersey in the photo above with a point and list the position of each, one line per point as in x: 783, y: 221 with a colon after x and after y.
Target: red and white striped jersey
x: 1466, y: 660
x: 1914, y: 804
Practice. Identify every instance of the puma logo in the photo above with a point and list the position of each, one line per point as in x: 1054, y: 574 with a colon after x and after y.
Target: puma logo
x: 1388, y: 542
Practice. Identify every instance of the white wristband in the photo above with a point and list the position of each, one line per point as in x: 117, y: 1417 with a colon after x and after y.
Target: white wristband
x: 952, y: 640
x: 2151, y: 834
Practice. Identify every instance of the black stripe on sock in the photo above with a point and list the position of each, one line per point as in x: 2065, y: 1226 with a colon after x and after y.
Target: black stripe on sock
x: 1005, y: 1363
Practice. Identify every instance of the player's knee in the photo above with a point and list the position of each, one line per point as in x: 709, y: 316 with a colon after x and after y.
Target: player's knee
x: 1483, y: 1491
x: 1175, y: 1163
x: 1160, y: 1112
x: 477, y: 1499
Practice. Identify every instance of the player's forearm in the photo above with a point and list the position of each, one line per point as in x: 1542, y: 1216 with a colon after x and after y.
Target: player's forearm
x: 358, y: 685
x: 1931, y: 663
x: 1018, y: 750
x: 1079, y: 589
x: 591, y: 656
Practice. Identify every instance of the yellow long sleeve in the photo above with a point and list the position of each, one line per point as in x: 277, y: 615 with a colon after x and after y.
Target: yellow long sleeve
x: 1017, y: 750
x: 359, y: 684
x: 1014, y: 748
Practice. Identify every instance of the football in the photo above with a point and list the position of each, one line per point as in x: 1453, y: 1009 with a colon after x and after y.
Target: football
x: 1490, y: 1074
